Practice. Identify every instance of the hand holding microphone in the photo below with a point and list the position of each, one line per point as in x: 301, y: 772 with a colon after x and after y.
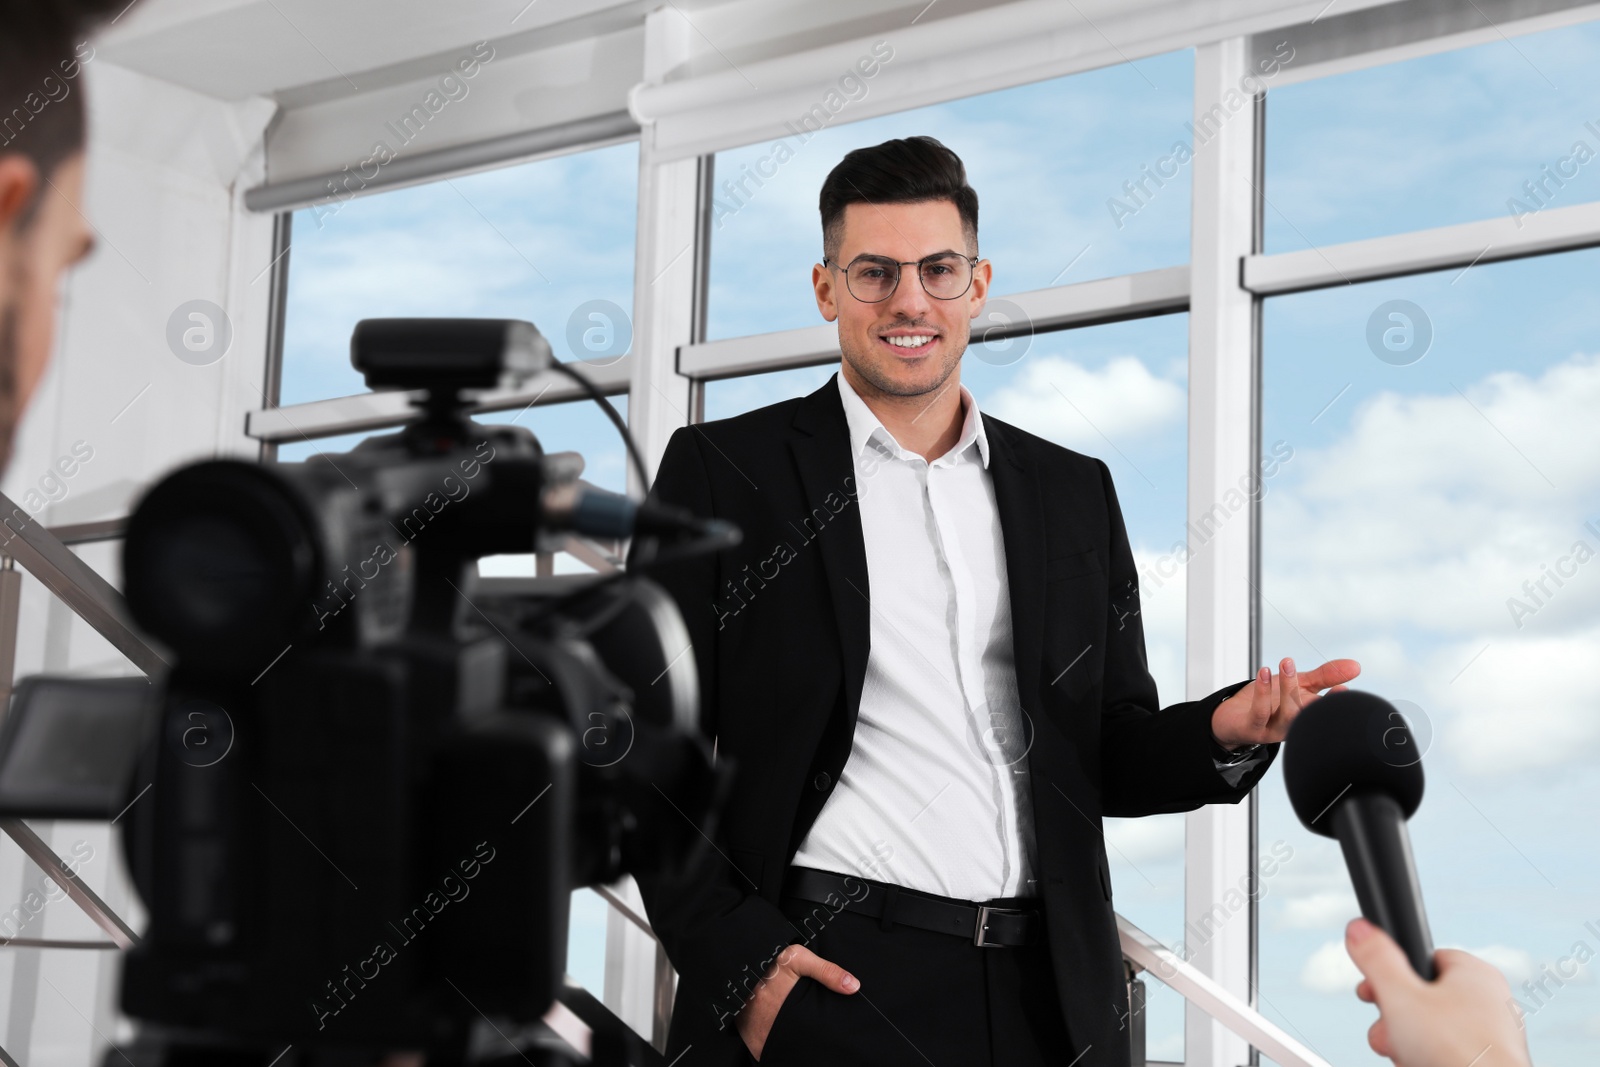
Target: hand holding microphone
x: 1463, y: 1016
x: 1352, y: 771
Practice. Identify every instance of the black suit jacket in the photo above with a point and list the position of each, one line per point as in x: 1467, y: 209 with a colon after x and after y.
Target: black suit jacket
x: 780, y: 629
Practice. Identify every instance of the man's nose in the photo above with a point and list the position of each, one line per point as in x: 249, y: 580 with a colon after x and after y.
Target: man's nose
x: 909, y: 299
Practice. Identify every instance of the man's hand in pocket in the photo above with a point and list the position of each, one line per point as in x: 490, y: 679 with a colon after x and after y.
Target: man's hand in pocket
x: 793, y: 963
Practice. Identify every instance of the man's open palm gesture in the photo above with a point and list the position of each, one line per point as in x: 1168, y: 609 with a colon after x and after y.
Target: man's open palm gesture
x: 1261, y: 712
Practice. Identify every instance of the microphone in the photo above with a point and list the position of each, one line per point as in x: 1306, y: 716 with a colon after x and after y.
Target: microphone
x: 1351, y: 772
x: 583, y: 509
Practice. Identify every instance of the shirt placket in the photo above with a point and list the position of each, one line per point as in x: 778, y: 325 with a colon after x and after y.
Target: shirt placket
x: 937, y: 490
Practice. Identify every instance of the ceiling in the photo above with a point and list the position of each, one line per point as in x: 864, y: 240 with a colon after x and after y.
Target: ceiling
x: 304, y: 51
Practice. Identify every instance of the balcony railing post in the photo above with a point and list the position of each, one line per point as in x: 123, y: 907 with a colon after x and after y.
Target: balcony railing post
x: 1136, y: 1018
x: 10, y: 607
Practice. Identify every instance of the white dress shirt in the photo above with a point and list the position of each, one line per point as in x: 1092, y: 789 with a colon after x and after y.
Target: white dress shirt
x: 935, y: 794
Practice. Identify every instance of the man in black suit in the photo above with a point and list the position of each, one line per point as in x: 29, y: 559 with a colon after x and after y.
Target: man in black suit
x: 926, y: 665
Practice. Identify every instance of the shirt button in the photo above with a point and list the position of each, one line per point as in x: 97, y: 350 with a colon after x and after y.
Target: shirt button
x: 822, y: 781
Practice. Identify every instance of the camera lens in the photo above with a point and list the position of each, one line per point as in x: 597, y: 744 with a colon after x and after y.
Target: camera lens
x: 220, y: 563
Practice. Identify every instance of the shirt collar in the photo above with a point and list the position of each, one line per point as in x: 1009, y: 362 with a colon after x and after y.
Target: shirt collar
x: 866, y: 428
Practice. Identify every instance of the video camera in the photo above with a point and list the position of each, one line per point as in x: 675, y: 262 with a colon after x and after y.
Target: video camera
x: 358, y: 800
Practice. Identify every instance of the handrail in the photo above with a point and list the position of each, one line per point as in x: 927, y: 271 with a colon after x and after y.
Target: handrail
x: 625, y: 910
x: 60, y: 873
x: 45, y: 554
x: 86, y: 533
x: 1203, y: 991
x: 74, y: 582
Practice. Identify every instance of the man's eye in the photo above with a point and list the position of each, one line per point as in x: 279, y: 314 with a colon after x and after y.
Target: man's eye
x: 872, y: 273
x: 937, y: 270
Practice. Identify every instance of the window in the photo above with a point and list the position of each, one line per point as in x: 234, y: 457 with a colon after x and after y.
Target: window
x: 542, y: 241
x: 1063, y: 171
x: 550, y: 241
x: 1504, y: 129
x: 1436, y: 518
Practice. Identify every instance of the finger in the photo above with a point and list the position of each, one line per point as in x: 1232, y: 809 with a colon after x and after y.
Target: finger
x: 829, y: 974
x: 1261, y: 701
x: 1378, y: 958
x: 1331, y: 673
x: 1450, y: 961
x: 791, y: 958
x: 1364, y: 992
x: 1378, y: 1038
x: 1290, y: 688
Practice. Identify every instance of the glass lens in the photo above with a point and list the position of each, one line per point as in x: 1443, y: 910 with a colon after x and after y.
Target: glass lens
x: 872, y: 279
x: 946, y: 277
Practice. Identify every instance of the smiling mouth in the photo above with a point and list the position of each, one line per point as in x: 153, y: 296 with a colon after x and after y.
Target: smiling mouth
x: 909, y: 343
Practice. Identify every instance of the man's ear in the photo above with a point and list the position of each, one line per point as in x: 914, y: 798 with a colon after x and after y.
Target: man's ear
x: 822, y: 283
x: 982, y: 275
x: 19, y: 184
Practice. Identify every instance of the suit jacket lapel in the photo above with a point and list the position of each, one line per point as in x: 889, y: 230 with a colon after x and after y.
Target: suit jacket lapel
x: 1017, y: 497
x: 821, y: 447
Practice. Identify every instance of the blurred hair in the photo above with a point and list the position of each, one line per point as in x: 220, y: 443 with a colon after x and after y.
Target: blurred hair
x: 908, y: 170
x: 41, y: 103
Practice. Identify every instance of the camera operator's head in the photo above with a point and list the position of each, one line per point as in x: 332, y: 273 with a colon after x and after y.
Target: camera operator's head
x: 42, y: 229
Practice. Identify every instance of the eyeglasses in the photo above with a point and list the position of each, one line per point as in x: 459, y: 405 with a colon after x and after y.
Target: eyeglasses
x: 945, y: 275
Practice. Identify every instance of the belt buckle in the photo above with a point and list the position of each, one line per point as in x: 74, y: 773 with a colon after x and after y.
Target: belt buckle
x: 984, y: 911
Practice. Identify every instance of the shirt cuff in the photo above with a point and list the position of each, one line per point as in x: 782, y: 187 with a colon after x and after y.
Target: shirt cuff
x: 1233, y: 766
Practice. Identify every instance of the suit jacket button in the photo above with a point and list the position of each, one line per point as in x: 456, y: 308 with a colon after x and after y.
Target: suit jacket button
x: 822, y: 781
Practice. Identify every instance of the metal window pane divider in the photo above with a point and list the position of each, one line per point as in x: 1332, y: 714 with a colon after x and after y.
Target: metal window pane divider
x: 1219, y: 593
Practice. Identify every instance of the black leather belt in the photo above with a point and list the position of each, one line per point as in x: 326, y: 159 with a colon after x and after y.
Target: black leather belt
x: 983, y: 925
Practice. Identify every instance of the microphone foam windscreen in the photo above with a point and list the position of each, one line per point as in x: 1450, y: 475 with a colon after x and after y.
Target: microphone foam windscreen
x: 1344, y: 744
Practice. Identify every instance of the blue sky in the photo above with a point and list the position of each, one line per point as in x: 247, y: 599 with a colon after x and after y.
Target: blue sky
x: 1416, y: 500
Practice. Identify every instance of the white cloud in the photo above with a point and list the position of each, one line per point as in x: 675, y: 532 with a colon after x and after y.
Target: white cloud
x: 1332, y: 907
x: 1515, y: 963
x: 1081, y: 408
x: 1400, y: 543
x: 1329, y: 970
x: 1440, y: 515
x: 1521, y: 705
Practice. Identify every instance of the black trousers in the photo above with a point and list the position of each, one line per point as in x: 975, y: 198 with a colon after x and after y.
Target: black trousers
x: 926, y: 998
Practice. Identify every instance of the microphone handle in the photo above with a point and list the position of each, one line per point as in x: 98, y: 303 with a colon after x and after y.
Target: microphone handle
x: 1371, y: 830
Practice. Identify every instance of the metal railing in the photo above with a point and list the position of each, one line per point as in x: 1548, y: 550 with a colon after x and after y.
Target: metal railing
x: 45, y: 554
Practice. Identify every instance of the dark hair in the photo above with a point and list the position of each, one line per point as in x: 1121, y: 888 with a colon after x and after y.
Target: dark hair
x: 41, y: 111
x: 909, y: 170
